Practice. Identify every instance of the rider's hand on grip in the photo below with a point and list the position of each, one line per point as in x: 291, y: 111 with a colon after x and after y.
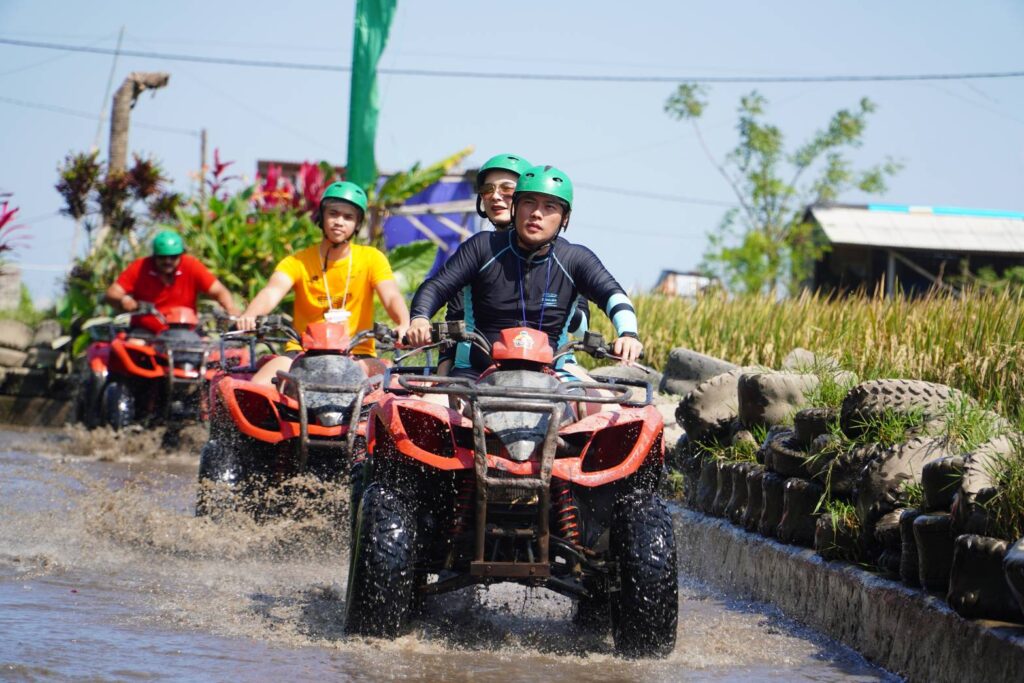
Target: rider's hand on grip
x: 419, y: 333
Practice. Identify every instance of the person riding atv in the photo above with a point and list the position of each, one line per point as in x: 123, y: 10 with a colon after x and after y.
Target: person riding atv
x: 495, y: 184
x: 527, y: 276
x: 167, y: 279
x: 333, y: 280
x: 539, y: 478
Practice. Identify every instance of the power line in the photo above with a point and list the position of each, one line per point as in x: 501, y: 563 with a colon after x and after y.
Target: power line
x: 582, y: 78
x: 89, y: 115
x: 654, y: 195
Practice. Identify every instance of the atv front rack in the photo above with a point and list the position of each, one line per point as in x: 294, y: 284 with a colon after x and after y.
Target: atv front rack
x: 302, y: 386
x: 513, y: 399
x: 203, y: 350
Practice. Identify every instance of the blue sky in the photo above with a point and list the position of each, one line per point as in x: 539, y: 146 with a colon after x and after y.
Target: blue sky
x: 962, y: 143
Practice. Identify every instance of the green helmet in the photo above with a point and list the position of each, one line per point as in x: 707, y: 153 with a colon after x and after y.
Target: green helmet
x: 545, y: 180
x: 346, y: 192
x: 512, y: 163
x: 168, y: 243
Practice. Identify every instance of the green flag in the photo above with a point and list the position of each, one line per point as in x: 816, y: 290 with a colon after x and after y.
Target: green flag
x: 373, y: 20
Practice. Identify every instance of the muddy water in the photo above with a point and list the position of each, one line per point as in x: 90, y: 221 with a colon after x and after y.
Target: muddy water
x: 106, y: 575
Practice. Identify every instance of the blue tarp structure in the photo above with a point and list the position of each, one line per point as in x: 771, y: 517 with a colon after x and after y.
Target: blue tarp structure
x: 401, y: 230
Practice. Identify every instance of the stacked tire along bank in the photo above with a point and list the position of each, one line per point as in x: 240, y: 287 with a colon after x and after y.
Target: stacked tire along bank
x: 34, y: 366
x: 908, y: 478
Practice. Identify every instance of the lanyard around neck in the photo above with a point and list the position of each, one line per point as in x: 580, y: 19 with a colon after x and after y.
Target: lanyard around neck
x: 348, y: 279
x: 543, y: 297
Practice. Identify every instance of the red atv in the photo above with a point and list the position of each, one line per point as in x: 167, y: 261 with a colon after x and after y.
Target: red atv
x: 155, y: 369
x: 311, y: 420
x: 534, y: 480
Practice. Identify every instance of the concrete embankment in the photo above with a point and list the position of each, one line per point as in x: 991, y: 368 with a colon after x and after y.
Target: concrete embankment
x: 905, y: 631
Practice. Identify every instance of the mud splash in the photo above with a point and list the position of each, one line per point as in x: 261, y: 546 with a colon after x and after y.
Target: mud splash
x: 133, y: 444
x: 105, y: 571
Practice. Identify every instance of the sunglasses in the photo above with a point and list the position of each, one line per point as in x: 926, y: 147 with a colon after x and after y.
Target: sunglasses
x: 505, y: 188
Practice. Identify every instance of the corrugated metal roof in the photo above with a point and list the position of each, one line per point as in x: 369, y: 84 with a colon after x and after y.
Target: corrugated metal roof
x: 922, y: 227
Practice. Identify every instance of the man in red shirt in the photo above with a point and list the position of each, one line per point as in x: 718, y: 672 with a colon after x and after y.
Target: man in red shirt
x: 168, y: 278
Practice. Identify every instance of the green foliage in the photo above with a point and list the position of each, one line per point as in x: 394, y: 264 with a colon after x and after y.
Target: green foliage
x: 764, y: 245
x: 241, y: 244
x: 1006, y: 508
x: 967, y: 425
x: 831, y: 389
x: 910, y: 494
x: 1010, y: 279
x: 25, y: 311
x: 744, y: 450
x: 890, y: 427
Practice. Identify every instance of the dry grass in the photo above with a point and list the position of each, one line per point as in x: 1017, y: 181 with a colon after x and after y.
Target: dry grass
x: 974, y: 343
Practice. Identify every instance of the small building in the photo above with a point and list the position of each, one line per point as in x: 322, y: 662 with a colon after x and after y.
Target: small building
x: 686, y: 284
x: 910, y: 248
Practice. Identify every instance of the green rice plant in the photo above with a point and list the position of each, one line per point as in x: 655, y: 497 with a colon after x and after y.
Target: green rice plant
x: 1006, y: 508
x: 911, y: 494
x: 890, y: 427
x: 973, y: 342
x: 831, y: 389
x: 967, y: 425
x: 675, y: 485
x: 739, y: 451
x: 842, y: 513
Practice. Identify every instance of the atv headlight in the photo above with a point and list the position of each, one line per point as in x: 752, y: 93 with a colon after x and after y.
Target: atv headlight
x: 611, y: 445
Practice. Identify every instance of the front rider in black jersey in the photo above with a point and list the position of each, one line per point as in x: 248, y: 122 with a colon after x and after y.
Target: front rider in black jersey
x: 495, y: 183
x: 527, y: 276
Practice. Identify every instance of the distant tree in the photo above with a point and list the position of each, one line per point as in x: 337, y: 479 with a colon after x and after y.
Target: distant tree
x: 763, y: 244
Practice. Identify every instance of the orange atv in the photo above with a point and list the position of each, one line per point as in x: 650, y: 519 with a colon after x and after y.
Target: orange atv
x: 310, y: 420
x: 155, y: 369
x: 534, y: 480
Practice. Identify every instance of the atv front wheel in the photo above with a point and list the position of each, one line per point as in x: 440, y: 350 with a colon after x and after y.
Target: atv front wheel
x: 220, y: 479
x: 644, y: 610
x: 119, y: 405
x: 380, y: 577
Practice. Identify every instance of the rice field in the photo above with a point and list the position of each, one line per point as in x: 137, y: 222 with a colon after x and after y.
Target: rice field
x: 974, y: 342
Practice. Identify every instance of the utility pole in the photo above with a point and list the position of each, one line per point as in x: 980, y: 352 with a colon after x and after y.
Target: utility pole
x: 124, y: 101
x: 202, y: 177
x: 134, y: 85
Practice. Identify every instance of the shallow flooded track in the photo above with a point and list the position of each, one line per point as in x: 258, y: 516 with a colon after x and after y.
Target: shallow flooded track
x: 105, y: 574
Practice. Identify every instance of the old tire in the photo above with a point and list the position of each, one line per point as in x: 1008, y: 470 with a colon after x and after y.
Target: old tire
x: 868, y: 400
x: 1013, y: 567
x: 707, y: 412
x: 934, y: 551
x: 785, y: 457
x: 89, y: 399
x: 755, y: 497
x: 737, y: 505
x: 645, y: 609
x: 118, y: 405
x: 800, y: 500
x: 772, y: 492
x: 940, y: 480
x: 977, y: 583
x: 810, y: 423
x: 910, y: 574
x: 15, y: 335
x: 380, y: 578
x: 723, y: 490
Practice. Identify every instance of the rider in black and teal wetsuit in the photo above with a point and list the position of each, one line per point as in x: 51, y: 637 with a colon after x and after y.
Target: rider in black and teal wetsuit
x: 526, y: 276
x: 495, y: 184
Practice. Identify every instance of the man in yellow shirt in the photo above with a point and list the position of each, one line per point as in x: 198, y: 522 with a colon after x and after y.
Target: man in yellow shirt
x: 333, y: 276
